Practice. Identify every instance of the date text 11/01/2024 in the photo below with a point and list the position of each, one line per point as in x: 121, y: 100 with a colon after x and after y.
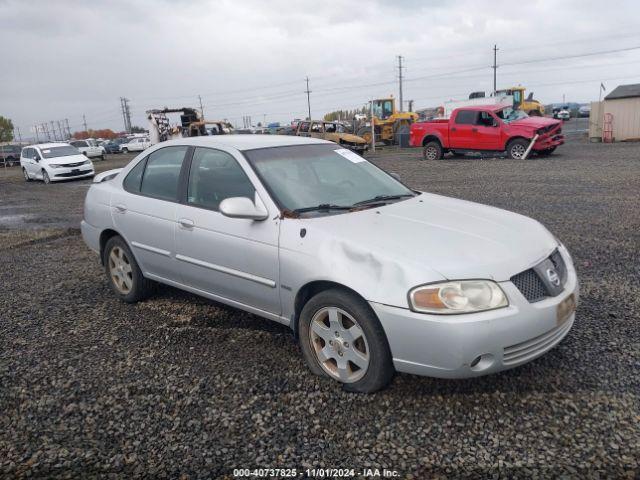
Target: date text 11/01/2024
x: 315, y: 473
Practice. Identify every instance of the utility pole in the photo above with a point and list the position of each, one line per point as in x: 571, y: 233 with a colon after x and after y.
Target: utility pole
x: 84, y: 122
x: 60, y: 130
x: 307, y: 91
x: 400, y: 80
x: 35, y: 129
x: 126, y: 113
x: 373, y: 130
x: 495, y: 69
x: 19, y: 136
x: 66, y: 121
x: 53, y: 130
x: 201, y: 109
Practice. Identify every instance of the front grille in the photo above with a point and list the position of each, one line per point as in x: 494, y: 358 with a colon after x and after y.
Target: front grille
x: 73, y: 174
x: 71, y: 165
x: 521, y: 352
x: 530, y: 285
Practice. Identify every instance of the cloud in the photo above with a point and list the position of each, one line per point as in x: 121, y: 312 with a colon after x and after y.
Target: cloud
x: 69, y: 58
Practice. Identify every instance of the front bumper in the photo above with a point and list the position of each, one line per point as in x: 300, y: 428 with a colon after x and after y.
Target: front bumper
x: 548, y: 142
x: 446, y: 345
x: 58, y: 174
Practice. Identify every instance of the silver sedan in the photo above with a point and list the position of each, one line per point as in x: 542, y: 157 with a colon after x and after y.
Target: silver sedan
x: 371, y: 276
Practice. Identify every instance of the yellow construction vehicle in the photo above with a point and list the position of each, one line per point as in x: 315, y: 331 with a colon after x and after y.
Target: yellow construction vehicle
x: 530, y: 106
x: 386, y: 121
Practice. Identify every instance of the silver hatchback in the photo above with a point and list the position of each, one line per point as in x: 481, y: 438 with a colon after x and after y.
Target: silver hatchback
x: 371, y: 276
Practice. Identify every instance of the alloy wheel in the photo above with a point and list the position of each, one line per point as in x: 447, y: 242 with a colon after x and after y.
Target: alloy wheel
x: 120, y: 270
x: 339, y: 344
x: 26, y: 175
x: 517, y: 151
x: 431, y: 153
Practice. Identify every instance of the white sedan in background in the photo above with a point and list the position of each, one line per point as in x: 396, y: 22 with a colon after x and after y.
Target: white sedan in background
x: 371, y: 276
x: 51, y: 162
x: 137, y: 144
x: 88, y: 148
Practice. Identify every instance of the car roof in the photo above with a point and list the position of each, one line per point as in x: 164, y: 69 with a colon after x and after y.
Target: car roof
x: 47, y: 145
x: 246, y: 142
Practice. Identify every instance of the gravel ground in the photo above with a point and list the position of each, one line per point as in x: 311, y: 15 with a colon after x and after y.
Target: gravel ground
x: 178, y: 386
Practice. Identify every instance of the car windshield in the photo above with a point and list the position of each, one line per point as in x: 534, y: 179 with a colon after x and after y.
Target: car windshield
x: 305, y: 176
x: 509, y: 115
x: 62, y: 151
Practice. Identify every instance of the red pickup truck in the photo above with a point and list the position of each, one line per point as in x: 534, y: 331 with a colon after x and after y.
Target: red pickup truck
x: 489, y: 128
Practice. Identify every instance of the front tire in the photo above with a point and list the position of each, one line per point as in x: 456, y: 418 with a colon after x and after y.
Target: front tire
x: 123, y: 272
x: 341, y: 338
x: 547, y: 152
x: 27, y: 178
x: 432, y: 151
x: 125, y: 150
x: 45, y: 177
x: 517, y: 148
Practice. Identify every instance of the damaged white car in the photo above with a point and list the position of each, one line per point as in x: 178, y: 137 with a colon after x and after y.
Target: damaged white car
x: 371, y: 276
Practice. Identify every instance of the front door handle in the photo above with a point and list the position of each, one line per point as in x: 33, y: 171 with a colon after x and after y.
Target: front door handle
x: 454, y: 129
x: 120, y: 208
x: 186, y: 223
x: 474, y: 129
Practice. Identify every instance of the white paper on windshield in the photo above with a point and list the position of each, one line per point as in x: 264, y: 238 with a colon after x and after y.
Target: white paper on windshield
x: 46, y: 151
x: 349, y: 155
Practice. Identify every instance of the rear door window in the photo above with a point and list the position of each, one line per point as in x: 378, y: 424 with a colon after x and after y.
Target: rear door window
x: 466, y: 117
x: 162, y: 173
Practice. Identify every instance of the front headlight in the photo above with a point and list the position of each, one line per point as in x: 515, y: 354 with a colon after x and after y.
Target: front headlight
x: 55, y: 165
x: 462, y: 296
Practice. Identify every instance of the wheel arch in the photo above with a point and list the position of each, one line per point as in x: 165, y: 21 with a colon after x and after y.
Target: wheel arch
x: 311, y: 289
x: 431, y: 138
x: 514, y: 138
x: 106, y: 235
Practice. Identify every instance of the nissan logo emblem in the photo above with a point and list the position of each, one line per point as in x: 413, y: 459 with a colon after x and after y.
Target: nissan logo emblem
x: 553, y: 277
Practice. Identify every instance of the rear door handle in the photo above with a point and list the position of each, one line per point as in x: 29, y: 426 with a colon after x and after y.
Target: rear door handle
x: 186, y: 223
x: 120, y: 208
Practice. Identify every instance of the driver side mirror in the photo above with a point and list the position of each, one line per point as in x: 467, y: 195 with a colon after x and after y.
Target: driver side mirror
x: 243, y: 207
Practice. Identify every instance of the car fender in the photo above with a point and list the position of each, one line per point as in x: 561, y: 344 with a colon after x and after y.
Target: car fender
x: 309, y: 254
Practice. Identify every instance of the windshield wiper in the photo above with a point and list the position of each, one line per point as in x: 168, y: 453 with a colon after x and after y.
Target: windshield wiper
x: 382, y: 198
x: 321, y: 207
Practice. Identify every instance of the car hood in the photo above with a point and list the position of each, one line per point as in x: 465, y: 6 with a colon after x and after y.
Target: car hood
x: 456, y: 238
x: 65, y: 160
x: 345, y: 137
x: 534, y: 122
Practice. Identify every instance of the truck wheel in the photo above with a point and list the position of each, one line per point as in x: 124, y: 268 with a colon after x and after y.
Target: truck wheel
x: 517, y: 148
x: 432, y: 151
x: 341, y: 338
x: 534, y: 113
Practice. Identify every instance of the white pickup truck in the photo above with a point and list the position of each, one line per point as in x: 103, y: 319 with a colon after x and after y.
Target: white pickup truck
x: 88, y: 149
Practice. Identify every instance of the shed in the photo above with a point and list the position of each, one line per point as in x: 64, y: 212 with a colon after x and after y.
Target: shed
x: 623, y: 104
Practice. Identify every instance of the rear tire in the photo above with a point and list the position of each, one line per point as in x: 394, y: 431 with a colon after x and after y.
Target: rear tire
x: 123, y: 273
x: 517, y: 148
x: 432, y: 151
x: 353, y: 334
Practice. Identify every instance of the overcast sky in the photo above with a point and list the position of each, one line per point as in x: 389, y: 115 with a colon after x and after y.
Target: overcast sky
x: 62, y: 59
